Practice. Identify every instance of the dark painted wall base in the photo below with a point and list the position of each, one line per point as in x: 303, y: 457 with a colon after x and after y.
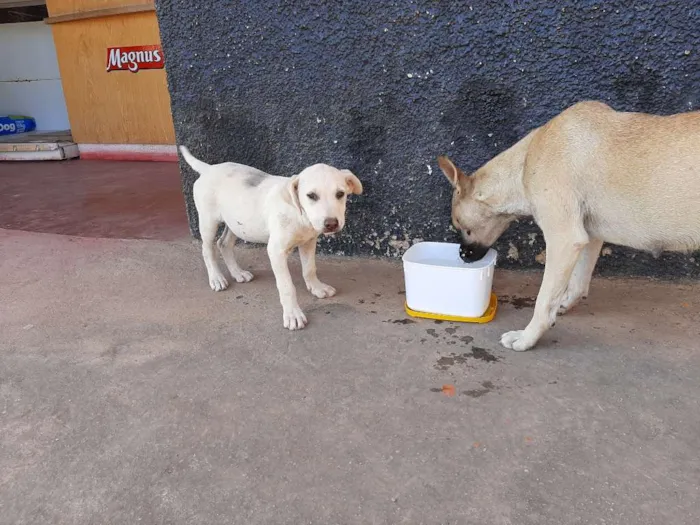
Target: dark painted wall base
x: 382, y: 88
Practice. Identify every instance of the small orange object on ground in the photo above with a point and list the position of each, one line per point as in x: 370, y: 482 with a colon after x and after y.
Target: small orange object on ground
x: 448, y: 390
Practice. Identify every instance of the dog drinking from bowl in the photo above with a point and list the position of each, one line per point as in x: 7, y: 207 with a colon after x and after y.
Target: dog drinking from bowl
x: 588, y: 176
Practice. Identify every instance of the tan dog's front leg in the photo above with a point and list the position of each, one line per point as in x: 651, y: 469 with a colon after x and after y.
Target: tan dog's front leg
x: 307, y: 254
x: 292, y: 315
x: 562, y: 254
x: 580, y: 280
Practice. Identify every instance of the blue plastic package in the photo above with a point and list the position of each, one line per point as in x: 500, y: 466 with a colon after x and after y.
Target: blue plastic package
x: 13, y: 124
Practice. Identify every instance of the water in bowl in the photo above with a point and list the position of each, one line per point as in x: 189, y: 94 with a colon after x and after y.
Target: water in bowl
x: 439, y: 261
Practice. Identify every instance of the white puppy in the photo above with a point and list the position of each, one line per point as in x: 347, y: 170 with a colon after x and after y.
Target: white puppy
x: 282, y: 212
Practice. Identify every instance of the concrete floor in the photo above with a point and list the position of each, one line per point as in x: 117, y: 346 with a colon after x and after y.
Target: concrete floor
x: 129, y: 392
x: 141, y: 200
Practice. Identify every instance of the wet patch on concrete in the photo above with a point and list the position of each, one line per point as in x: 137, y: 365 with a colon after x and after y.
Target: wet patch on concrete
x: 450, y: 336
x: 446, y: 362
x: 484, y: 355
x: 331, y: 308
x: 518, y: 302
x: 487, y: 386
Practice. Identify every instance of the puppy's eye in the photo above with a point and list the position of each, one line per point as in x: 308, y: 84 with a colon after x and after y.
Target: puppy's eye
x: 469, y: 232
x: 340, y: 195
x: 312, y: 196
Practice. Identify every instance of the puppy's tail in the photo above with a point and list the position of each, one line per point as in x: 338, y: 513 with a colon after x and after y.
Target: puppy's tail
x: 196, y: 164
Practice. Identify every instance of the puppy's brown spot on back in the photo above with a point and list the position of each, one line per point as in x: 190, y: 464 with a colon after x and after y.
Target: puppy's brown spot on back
x: 254, y: 179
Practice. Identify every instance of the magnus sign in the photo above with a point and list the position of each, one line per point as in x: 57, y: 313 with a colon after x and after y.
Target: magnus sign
x: 134, y: 58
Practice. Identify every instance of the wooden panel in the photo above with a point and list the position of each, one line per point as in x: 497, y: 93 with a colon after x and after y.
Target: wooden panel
x: 97, y: 13
x: 66, y: 7
x: 118, y: 107
x: 20, y: 3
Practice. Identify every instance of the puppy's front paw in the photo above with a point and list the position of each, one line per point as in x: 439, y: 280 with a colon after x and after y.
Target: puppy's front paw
x: 294, y: 318
x: 517, y: 340
x: 321, y: 290
x: 243, y: 276
x: 218, y: 282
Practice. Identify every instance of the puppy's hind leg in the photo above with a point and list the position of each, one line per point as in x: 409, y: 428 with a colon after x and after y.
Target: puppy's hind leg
x: 580, y: 280
x: 207, y: 228
x: 226, y: 243
x: 307, y: 254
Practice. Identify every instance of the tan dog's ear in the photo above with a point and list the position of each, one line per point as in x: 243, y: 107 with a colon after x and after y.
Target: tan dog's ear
x: 455, y: 175
x: 293, y: 188
x: 354, y: 184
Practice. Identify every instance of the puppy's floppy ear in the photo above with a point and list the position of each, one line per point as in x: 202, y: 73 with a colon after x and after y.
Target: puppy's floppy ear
x: 293, y: 187
x: 354, y: 184
x: 455, y: 175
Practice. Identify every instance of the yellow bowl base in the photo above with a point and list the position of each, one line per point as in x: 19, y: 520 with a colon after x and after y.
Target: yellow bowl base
x: 488, y: 315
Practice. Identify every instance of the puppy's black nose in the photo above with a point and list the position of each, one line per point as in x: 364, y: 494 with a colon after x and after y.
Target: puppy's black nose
x: 472, y: 252
x: 330, y: 224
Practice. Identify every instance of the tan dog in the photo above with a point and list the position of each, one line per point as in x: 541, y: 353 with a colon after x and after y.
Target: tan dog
x: 590, y: 175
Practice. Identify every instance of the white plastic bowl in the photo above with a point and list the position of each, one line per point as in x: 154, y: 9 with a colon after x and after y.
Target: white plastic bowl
x: 439, y: 282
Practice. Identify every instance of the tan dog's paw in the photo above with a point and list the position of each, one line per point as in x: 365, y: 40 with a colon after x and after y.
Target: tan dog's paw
x: 321, y: 290
x: 294, y: 318
x: 243, y: 276
x: 517, y: 340
x: 218, y: 282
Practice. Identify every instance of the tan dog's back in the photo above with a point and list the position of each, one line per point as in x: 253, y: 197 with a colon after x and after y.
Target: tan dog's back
x: 637, y: 175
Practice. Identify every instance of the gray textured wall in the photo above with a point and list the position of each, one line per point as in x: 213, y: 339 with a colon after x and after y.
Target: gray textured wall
x: 384, y: 87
